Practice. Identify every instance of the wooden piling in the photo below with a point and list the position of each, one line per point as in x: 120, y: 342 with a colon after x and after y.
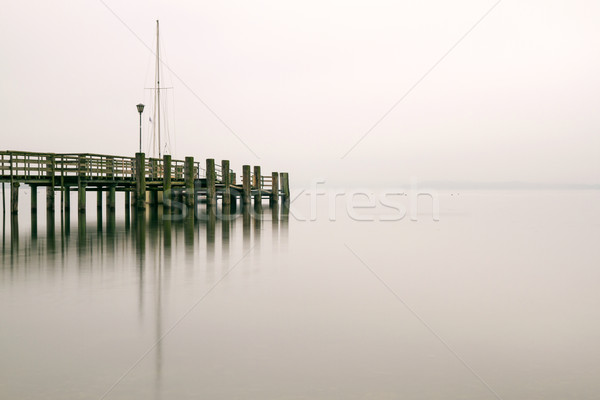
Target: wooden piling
x: 246, y: 187
x: 33, y: 198
x: 188, y: 170
x: 14, y: 197
x: 167, y: 196
x: 111, y: 198
x: 211, y: 177
x: 127, y: 199
x: 81, y: 183
x: 274, y: 189
x: 81, y: 197
x: 258, y: 185
x: 51, y: 172
x: 140, y: 181
x: 226, y: 182
x: 67, y: 198
x: 99, y: 197
x: 285, y: 187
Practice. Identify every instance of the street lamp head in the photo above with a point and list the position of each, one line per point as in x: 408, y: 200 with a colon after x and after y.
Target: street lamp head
x: 140, y: 108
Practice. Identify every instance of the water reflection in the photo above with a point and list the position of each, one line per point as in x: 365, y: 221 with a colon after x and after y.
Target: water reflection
x: 151, y: 243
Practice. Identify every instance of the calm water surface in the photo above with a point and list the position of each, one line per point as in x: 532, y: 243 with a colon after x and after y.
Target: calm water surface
x: 498, y: 299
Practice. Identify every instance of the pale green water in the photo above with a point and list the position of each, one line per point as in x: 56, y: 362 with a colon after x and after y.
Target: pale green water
x: 507, y: 282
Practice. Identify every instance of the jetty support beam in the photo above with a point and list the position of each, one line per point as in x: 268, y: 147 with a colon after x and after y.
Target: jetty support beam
x: 140, y: 181
x: 81, y: 184
x: 190, y: 194
x: 258, y: 185
x: 211, y: 188
x: 167, y: 195
x: 274, y: 189
x: 246, y: 189
x: 14, y: 197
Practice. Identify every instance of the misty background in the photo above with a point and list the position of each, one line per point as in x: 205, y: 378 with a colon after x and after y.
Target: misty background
x: 300, y: 83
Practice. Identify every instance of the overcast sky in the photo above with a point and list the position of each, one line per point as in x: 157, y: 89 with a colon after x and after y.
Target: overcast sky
x: 299, y: 84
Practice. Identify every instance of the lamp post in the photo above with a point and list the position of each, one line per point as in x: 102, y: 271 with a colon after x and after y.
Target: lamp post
x: 140, y: 108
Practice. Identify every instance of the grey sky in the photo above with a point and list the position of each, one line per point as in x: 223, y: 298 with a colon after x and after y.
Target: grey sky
x: 301, y: 82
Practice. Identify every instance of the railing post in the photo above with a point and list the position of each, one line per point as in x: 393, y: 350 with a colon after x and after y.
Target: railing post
x: 258, y: 183
x: 246, y: 187
x: 81, y: 183
x: 211, y: 189
x: 110, y: 168
x: 190, y: 195
x: 51, y: 167
x: 274, y: 189
x: 167, y: 196
x: 226, y: 181
x: 140, y: 181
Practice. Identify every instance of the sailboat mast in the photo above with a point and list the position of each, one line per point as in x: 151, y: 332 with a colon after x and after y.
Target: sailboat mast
x: 158, y: 88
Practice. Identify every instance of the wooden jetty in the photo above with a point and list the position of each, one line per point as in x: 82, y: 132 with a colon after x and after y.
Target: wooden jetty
x: 142, y: 180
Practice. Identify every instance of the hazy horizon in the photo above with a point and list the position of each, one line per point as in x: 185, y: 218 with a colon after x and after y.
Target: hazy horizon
x: 294, y: 87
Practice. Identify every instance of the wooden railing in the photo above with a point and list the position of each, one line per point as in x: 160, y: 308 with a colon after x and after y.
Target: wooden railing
x: 28, y: 166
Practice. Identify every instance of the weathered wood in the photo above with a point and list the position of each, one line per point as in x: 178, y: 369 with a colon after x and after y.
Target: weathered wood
x: 110, y: 167
x: 246, y: 188
x: 167, y: 195
x: 274, y: 189
x: 190, y: 195
x: 51, y: 168
x: 14, y: 197
x: 96, y: 172
x: 285, y: 187
x: 66, y: 193
x: 258, y: 185
x: 227, y: 182
x: 127, y: 199
x: 140, y: 181
x: 81, y: 183
x: 81, y: 196
x: 99, y: 197
x: 211, y: 177
x: 33, y: 198
x: 111, y: 198
x: 153, y: 194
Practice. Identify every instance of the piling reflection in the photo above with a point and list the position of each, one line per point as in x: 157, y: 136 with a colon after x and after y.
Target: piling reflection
x: 150, y: 243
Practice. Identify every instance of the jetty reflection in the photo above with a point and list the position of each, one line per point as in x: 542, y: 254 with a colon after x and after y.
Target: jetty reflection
x: 204, y: 237
x: 147, y: 250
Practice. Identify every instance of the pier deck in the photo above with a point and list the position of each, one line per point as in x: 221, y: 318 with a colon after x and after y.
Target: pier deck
x: 150, y: 180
